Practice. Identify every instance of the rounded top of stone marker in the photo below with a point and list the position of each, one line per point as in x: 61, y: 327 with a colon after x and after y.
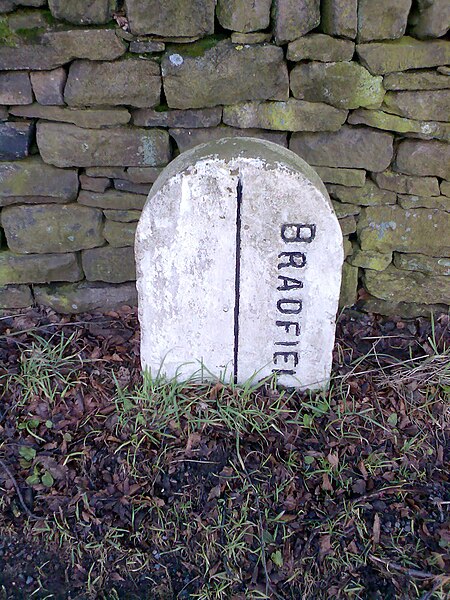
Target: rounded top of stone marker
x: 232, y: 149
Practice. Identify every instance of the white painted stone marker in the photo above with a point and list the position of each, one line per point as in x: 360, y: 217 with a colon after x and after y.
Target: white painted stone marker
x: 239, y: 257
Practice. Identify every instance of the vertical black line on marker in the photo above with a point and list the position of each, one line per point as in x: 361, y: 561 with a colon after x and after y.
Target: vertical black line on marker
x: 237, y: 277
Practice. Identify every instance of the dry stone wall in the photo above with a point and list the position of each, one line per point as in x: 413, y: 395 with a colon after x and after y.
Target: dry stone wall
x: 96, y: 97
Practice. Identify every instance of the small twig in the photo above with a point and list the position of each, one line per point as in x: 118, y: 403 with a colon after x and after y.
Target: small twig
x: 28, y: 512
x: 411, y: 572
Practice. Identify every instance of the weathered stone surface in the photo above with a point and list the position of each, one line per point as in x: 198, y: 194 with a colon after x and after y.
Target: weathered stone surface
x: 400, y: 309
x: 48, y: 86
x: 341, y: 84
x: 15, y: 296
x: 416, y: 157
x: 94, y: 184
x: 404, y: 184
x: 403, y: 54
x: 423, y: 263
x: 386, y: 228
x: 15, y: 88
x: 348, y: 248
x: 81, y: 12
x: 132, y: 82
x: 353, y: 147
x: 145, y: 46
x: 224, y: 74
x: 346, y: 177
x: 112, y: 199
x: 294, y: 18
x: 66, y: 145
x: 171, y: 18
x: 15, y: 139
x: 188, y: 138
x: 340, y: 17
x: 433, y: 105
x: 48, y: 228
x: 6, y: 6
x: 397, y: 285
x: 416, y: 80
x: 345, y: 209
x: 199, y: 322
x: 86, y: 296
x: 87, y: 117
x: 431, y: 18
x: 109, y: 172
x: 292, y: 115
x: 38, y: 268
x: 368, y: 195
x: 389, y: 122
x: 445, y: 188
x: 122, y: 216
x: 382, y: 20
x: 203, y: 117
x: 119, y: 234
x: 143, y: 174
x: 407, y: 201
x: 321, y: 47
x: 109, y: 264
x: 349, y: 285
x: 134, y: 188
x: 348, y: 225
x: 32, y: 177
x: 250, y: 38
x: 3, y: 113
x: 240, y: 15
x: 377, y: 261
x: 56, y: 48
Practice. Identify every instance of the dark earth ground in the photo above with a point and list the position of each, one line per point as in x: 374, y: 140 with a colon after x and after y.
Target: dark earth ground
x: 208, y: 491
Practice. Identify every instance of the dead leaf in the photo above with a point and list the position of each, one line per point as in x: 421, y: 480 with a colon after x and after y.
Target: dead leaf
x: 376, y: 530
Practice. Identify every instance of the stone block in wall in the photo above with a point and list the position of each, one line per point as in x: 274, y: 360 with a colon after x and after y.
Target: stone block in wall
x: 144, y: 46
x: 201, y: 117
x: 109, y: 264
x: 171, y: 18
x: 94, y: 184
x: 15, y: 139
x: 367, y: 195
x: 292, y: 115
x: 294, y: 18
x: 389, y: 122
x: 345, y: 177
x: 112, y: 199
x: 122, y: 216
x: 143, y: 174
x: 83, y: 12
x: 340, y: 17
x: 15, y: 88
x: 66, y: 145
x: 387, y: 228
x: 400, y: 309
x: 429, y: 158
x: 405, y: 184
x: 348, y: 225
x: 132, y: 81
x: 56, y: 48
x: 432, y: 105
x: 224, y: 74
x: 109, y: 172
x: 345, y: 209
x: 354, y: 147
x: 349, y: 285
x: 134, y: 188
x: 258, y: 37
x: 244, y: 16
x: 6, y: 6
x: 382, y: 19
x: 15, y: 296
x: 397, y: 285
x: 430, y: 18
x: 369, y: 259
x: 48, y: 86
x: 33, y: 178
x: 320, y: 47
x: 445, y: 188
x: 85, y: 296
x: 119, y: 234
x: 3, y: 113
x: 407, y: 201
x: 341, y: 84
x: 188, y: 138
x: 422, y: 263
x: 416, y: 80
x: 49, y: 228
x: 90, y: 118
x: 403, y: 54
x: 38, y: 268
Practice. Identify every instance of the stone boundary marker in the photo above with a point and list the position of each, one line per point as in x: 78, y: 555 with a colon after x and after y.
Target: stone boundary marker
x: 239, y: 256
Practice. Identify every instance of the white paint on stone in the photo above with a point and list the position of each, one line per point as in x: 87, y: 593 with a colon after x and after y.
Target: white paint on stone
x: 254, y: 206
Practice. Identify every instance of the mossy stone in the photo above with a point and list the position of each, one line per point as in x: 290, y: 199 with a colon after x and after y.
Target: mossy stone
x: 377, y: 261
x: 367, y: 195
x: 109, y: 264
x: 119, y: 234
x: 420, y: 262
x: 85, y: 296
x: 38, y: 268
x: 349, y: 285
